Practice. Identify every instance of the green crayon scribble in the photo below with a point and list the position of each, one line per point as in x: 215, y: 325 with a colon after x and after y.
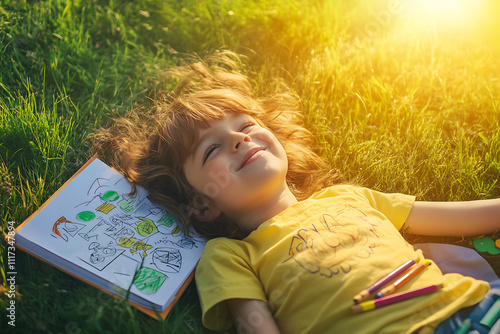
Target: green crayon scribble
x: 148, y: 280
x: 145, y: 227
x: 85, y: 216
x: 127, y: 205
x: 166, y: 219
x: 110, y: 196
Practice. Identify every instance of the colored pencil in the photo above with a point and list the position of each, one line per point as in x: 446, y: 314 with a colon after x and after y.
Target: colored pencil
x: 492, y: 315
x: 464, y: 328
x: 384, y: 301
x: 365, y: 294
x: 403, y: 280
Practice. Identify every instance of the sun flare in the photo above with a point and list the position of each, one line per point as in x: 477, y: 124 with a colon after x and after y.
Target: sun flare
x: 443, y: 7
x: 445, y: 12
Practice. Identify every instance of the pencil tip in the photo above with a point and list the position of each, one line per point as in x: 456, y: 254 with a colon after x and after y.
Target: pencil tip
x: 362, y: 296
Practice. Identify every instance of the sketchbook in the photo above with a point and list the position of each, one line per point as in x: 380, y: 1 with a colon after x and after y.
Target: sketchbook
x: 125, y: 245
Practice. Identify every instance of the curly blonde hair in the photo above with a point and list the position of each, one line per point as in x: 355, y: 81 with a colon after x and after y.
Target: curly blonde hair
x: 150, y: 147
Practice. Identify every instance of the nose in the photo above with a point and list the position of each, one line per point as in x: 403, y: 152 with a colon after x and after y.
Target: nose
x: 239, y: 138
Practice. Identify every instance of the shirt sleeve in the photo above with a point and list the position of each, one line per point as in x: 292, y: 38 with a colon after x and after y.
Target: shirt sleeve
x: 224, y: 274
x: 396, y: 207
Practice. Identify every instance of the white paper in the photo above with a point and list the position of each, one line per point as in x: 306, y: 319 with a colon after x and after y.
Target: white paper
x: 96, y: 225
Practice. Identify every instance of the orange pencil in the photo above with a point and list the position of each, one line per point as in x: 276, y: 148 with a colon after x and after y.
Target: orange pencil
x: 366, y: 293
x: 403, y: 280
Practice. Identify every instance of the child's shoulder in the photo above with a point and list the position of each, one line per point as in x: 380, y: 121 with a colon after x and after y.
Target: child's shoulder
x: 339, y: 189
x: 374, y: 197
x: 220, y: 246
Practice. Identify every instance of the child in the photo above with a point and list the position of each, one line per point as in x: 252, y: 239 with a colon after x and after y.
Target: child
x: 289, y: 249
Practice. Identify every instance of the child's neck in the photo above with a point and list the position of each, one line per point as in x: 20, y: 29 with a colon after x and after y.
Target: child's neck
x: 252, y: 220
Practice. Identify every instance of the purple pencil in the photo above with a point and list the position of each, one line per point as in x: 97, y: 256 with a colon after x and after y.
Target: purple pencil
x: 391, y: 299
x: 365, y: 294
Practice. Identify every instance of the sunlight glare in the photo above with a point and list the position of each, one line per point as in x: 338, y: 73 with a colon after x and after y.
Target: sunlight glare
x: 453, y: 13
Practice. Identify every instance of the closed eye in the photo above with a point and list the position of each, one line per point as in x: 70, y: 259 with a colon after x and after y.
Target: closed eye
x: 246, y: 125
x: 209, y: 151
x: 212, y: 147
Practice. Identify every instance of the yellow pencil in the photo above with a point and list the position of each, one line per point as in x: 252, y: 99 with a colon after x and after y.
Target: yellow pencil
x: 381, y: 302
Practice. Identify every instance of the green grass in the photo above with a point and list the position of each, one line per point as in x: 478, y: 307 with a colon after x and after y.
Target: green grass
x: 398, y: 102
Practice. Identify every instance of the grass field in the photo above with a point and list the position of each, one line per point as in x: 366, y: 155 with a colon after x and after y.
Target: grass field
x: 403, y: 96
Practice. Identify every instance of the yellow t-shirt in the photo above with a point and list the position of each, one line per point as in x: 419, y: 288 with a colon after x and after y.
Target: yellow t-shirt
x: 309, y: 261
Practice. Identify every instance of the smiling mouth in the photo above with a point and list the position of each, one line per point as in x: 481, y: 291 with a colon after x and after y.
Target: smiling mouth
x: 249, y: 156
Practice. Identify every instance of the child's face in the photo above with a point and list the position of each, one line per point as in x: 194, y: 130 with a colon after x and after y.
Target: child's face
x: 237, y: 164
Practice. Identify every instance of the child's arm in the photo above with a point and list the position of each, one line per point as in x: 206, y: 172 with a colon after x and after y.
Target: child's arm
x: 454, y: 219
x: 252, y: 316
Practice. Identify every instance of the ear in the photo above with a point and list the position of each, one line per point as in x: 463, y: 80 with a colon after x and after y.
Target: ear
x: 206, y: 214
x: 203, y: 209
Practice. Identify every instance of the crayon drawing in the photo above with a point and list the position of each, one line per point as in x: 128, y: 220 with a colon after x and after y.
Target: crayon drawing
x: 168, y: 260
x: 149, y: 280
x: 105, y: 208
x: 97, y: 185
x: 342, y: 229
x: 65, y: 228
x: 91, y: 234
x: 125, y: 240
x: 85, y: 216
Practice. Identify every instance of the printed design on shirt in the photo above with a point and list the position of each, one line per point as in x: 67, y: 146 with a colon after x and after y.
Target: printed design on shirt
x: 342, y: 238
